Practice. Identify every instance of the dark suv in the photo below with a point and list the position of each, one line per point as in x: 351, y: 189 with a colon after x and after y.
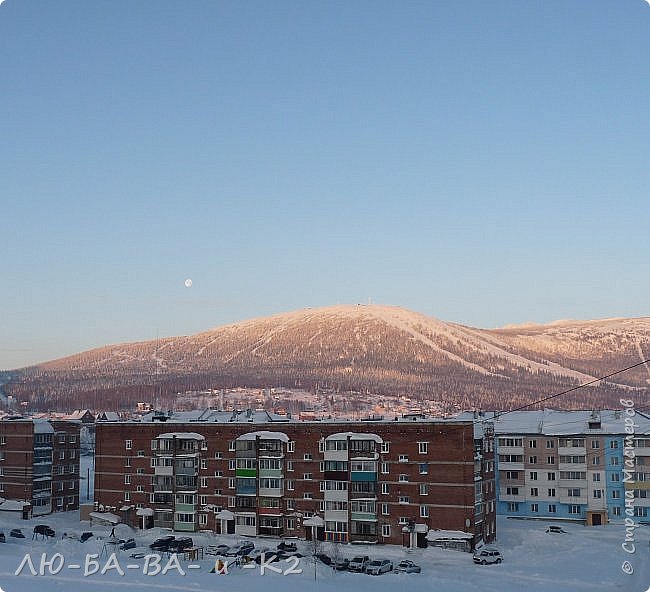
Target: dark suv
x: 162, y: 544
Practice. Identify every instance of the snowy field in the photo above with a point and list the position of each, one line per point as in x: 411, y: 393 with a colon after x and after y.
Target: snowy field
x: 580, y: 560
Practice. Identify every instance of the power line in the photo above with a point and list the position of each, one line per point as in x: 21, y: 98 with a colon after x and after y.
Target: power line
x: 570, y: 390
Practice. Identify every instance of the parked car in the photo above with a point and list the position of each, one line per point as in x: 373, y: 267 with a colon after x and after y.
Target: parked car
x: 326, y: 559
x: 359, y: 563
x: 162, y: 544
x: 555, y: 529
x: 342, y: 564
x: 2, y: 537
x: 16, y: 532
x: 379, y: 566
x: 179, y: 545
x: 289, y: 547
x: 128, y: 544
x: 487, y: 555
x: 216, y: 549
x: 239, y: 550
x: 85, y: 536
x: 407, y: 566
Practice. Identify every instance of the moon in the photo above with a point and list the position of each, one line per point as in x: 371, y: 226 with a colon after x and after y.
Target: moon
x: 188, y: 283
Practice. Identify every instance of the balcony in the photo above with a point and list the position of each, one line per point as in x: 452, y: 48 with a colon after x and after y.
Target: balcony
x: 184, y: 526
x: 168, y: 471
x: 511, y: 466
x: 269, y: 512
x: 185, y: 508
x: 247, y: 473
x: 191, y: 471
x: 365, y: 538
x: 364, y: 516
x: 363, y: 476
x: 270, y: 473
x: 271, y: 491
x: 572, y: 451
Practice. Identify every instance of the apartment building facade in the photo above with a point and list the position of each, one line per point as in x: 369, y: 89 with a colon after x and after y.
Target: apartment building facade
x: 39, y: 465
x: 573, y: 465
x: 256, y: 473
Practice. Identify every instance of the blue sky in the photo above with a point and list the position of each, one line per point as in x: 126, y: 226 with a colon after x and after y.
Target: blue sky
x: 481, y: 162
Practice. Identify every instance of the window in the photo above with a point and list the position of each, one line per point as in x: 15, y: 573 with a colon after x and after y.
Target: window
x: 127, y: 479
x: 550, y: 444
x: 613, y: 444
x: 595, y: 460
x: 512, y: 490
x: 550, y: 476
x: 534, y: 492
x: 127, y: 461
x: 424, y: 489
x: 613, y: 461
x: 532, y: 460
x: 204, y: 481
x: 291, y: 446
x: 424, y: 468
x: 403, y: 458
x: 307, y: 476
x: 127, y: 497
x: 598, y: 493
x: 289, y: 465
x: 616, y: 494
x: 218, y: 455
x: 218, y: 473
x: 307, y: 495
x: 511, y: 441
x: 573, y: 492
x: 61, y: 454
x: 72, y: 453
x: 596, y: 477
x: 231, y: 483
x: 128, y: 444
x: 616, y: 511
x: 404, y: 499
x: 384, y: 488
x: 403, y: 478
x: 139, y: 489
x: 290, y: 484
x: 534, y: 508
x: 424, y: 511
x: 532, y: 443
x: 533, y: 475
x: 513, y: 506
x: 385, y: 530
x: 595, y: 444
x: 615, y: 477
x: 550, y: 460
x: 231, y: 502
x: 512, y: 474
x: 551, y: 492
x: 232, y: 464
x: 290, y: 505
x: 423, y: 447
x: 385, y: 447
x: 552, y: 508
x: 140, y: 453
x: 385, y: 509
x: 307, y: 456
x: 574, y: 509
x: 384, y: 468
x: 232, y: 446
x: 204, y: 463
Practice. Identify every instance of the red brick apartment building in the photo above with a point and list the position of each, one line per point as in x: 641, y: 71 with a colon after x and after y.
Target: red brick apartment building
x: 256, y: 473
x: 39, y: 465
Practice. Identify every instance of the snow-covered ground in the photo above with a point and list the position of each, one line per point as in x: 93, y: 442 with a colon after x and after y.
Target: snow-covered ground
x: 582, y: 559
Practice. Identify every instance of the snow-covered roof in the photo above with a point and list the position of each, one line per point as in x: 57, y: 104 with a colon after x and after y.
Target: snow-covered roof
x: 264, y: 435
x: 109, y: 416
x: 315, y: 520
x: 553, y: 422
x: 437, y: 535
x: 182, y: 436
x: 224, y: 515
x: 106, y: 517
x: 355, y: 436
x: 12, y: 506
x: 144, y: 512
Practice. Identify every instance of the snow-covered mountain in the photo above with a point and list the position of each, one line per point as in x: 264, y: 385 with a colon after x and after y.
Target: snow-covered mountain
x: 378, y: 349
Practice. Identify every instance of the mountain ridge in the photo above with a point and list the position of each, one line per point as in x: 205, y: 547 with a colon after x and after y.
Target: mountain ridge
x: 370, y: 348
